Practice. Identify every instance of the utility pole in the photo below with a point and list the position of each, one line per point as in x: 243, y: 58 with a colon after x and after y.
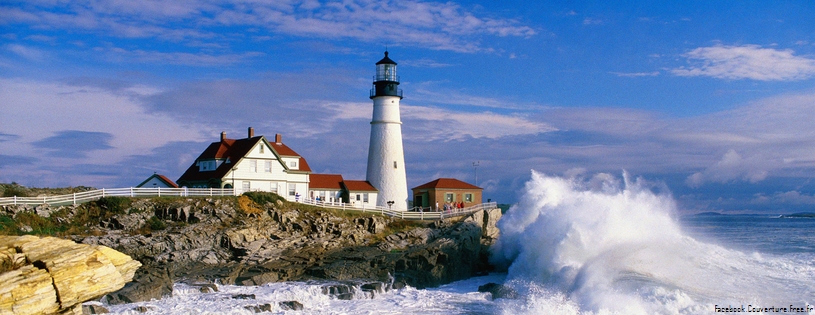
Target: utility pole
x: 475, y: 167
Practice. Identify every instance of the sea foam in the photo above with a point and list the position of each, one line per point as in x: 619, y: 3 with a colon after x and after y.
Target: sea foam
x: 596, y: 245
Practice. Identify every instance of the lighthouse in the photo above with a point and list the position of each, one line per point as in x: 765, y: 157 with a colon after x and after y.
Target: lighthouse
x: 386, y: 158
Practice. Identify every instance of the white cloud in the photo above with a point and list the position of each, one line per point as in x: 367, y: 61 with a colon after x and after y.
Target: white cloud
x: 178, y: 58
x: 436, y: 124
x: 445, y: 125
x: 636, y: 74
x: 35, y: 110
x: 731, y: 167
x: 442, y: 26
x: 792, y: 197
x: 747, y: 62
x: 26, y: 52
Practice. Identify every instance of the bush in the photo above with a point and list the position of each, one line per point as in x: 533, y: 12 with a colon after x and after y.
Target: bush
x: 114, y: 205
x: 13, y: 189
x: 262, y: 197
x: 156, y: 224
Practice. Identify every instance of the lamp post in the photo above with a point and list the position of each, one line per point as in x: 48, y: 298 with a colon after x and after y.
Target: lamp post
x: 390, y: 204
x: 234, y: 190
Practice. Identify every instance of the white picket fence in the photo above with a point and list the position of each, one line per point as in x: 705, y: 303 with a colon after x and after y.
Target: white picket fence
x: 86, y: 196
x: 407, y: 215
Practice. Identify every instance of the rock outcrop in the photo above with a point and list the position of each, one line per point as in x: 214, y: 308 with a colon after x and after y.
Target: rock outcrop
x: 206, y: 240
x: 50, y: 275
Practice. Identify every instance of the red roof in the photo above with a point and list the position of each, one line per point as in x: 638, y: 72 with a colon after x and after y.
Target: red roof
x: 448, y: 183
x: 358, y: 185
x: 325, y: 181
x: 233, y: 150
x: 160, y: 177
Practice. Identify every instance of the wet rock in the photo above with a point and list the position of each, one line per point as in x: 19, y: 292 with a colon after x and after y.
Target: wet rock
x: 291, y: 305
x: 148, y: 284
x: 499, y: 291
x: 143, y: 309
x: 243, y: 296
x: 259, y: 308
x: 94, y: 309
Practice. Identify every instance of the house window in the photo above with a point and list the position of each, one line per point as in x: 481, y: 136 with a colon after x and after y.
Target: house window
x: 322, y: 195
x: 206, y: 166
x: 293, y: 164
x: 253, y: 166
x: 358, y: 197
x: 468, y: 197
x: 292, y: 189
x: 365, y: 197
x: 273, y: 187
x: 246, y: 186
x: 449, y: 197
x: 267, y: 166
x: 261, y: 149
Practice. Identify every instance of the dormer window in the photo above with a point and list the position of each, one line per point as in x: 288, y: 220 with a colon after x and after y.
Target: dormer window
x: 206, y: 166
x: 293, y: 164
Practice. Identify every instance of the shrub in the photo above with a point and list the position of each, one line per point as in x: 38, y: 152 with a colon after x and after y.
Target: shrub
x: 114, y: 205
x: 156, y: 224
x: 262, y: 197
x: 13, y: 189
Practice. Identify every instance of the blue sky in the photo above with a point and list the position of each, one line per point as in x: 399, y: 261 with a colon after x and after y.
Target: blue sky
x: 714, y: 101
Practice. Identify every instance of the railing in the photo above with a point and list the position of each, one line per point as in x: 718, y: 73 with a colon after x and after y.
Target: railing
x: 397, y: 93
x: 406, y: 215
x: 85, y: 196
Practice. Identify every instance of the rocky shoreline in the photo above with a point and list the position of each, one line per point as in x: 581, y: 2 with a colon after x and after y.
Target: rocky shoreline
x: 231, y: 241
x: 51, y: 275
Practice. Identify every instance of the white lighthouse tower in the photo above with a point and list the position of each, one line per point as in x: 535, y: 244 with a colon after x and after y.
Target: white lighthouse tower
x: 386, y: 158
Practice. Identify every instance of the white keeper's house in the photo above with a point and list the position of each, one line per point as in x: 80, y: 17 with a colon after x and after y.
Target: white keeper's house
x: 255, y: 164
x: 249, y: 164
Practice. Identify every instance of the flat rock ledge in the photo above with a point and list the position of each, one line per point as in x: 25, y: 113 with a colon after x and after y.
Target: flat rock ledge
x: 50, y: 275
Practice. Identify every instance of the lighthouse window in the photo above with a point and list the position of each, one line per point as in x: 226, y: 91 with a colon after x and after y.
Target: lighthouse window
x: 394, y: 164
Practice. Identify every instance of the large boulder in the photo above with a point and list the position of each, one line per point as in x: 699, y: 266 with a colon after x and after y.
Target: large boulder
x: 47, y: 275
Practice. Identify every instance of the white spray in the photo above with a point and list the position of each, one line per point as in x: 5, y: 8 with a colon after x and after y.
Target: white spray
x: 615, y: 247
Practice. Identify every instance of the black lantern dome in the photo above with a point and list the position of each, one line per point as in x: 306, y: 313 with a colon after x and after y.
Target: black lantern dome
x: 386, y: 81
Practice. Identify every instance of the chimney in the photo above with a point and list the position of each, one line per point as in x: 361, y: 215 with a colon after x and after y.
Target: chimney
x: 223, y: 136
x: 278, y: 138
x: 251, y: 132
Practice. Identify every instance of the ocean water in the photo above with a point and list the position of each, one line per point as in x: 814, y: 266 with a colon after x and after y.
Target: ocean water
x: 584, y: 245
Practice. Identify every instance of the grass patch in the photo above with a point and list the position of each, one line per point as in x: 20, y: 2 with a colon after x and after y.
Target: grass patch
x: 38, y: 224
x: 397, y: 226
x: 8, y: 226
x: 248, y: 206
